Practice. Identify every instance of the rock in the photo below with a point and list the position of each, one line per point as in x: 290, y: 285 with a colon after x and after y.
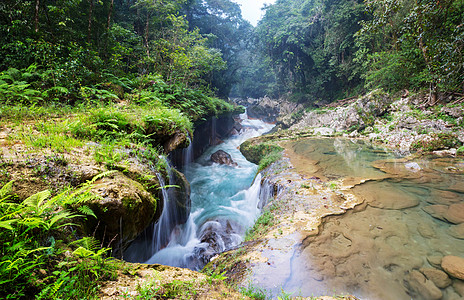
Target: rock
x: 455, y: 213
x: 437, y: 211
x: 181, y: 194
x: 123, y: 207
x: 454, y: 112
x: 457, y: 231
x: 413, y: 166
x: 458, y: 187
x: 426, y: 231
x: 458, y: 286
x: 381, y: 194
x: 223, y: 158
x: 179, y: 139
x: 422, y: 286
x: 265, y: 109
x: 444, y: 197
x: 438, y: 277
x: 435, y: 261
x: 324, y: 131
x: 454, y: 266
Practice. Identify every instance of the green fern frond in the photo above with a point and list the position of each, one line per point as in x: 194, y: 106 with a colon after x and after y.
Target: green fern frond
x: 5, y: 191
x: 86, y: 211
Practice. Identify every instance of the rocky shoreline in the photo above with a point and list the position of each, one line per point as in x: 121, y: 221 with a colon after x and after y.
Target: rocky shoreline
x: 307, y: 199
x: 402, y: 123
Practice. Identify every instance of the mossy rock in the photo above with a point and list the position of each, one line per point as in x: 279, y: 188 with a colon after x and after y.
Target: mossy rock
x: 255, y: 150
x: 124, y: 208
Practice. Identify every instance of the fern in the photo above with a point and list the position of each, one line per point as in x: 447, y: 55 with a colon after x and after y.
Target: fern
x: 87, y: 211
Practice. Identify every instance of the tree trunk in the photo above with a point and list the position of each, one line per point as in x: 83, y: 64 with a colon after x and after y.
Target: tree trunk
x: 110, y: 12
x: 36, y: 21
x: 147, y: 28
x: 89, y: 29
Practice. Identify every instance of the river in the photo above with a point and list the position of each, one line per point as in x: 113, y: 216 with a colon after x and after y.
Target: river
x: 409, y: 220
x: 224, y: 204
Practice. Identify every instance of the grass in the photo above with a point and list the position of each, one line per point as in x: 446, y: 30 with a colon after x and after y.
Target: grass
x: 261, y: 225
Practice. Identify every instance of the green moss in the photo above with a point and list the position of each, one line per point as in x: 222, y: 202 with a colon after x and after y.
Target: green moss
x: 460, y: 151
x: 255, y: 151
x: 437, y: 141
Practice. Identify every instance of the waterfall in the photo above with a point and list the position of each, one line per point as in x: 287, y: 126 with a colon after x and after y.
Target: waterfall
x: 268, y: 191
x: 187, y: 153
x: 225, y: 203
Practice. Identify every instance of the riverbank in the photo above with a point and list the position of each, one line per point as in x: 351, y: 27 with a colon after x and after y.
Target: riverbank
x: 298, y: 222
x: 302, y: 232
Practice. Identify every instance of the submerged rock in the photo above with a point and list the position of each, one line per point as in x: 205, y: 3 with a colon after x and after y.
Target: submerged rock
x: 457, y: 231
x: 223, y: 158
x: 454, y: 266
x: 438, y: 277
x: 422, y: 286
x: 437, y: 211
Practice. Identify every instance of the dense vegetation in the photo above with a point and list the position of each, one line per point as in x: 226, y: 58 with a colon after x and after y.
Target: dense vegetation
x: 115, y: 74
x: 324, y: 50
x: 129, y: 73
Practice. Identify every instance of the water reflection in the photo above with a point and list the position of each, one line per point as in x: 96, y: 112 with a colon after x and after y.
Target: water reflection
x: 384, y: 248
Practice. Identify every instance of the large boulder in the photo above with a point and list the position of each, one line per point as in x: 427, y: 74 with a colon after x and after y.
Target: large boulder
x: 223, y: 158
x: 124, y: 208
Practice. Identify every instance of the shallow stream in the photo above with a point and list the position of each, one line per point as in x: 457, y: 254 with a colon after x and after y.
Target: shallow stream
x: 376, y: 250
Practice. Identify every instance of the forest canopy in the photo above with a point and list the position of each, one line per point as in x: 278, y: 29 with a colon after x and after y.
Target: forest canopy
x: 312, y: 50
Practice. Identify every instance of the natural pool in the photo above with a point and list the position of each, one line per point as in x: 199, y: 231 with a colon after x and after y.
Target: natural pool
x: 382, y: 248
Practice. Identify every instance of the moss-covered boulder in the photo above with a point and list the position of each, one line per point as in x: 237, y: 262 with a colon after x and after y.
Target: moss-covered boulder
x: 256, y: 149
x: 124, y: 208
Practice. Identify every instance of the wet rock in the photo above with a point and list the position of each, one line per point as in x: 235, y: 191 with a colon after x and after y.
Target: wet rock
x: 454, y: 266
x: 438, y: 277
x: 458, y: 286
x: 436, y: 211
x: 444, y: 198
x: 457, y: 231
x: 123, y: 207
x: 383, y: 195
x: 181, y: 194
x: 223, y: 158
x: 413, y: 166
x: 435, y: 261
x: 422, y: 286
x: 455, y: 213
x: 426, y: 231
x: 458, y: 187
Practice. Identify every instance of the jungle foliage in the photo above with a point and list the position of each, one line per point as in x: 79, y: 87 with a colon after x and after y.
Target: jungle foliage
x: 334, y: 49
x: 69, y: 52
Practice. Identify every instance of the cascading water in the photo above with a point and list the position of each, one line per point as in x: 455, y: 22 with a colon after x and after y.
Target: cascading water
x: 223, y: 204
x: 187, y: 153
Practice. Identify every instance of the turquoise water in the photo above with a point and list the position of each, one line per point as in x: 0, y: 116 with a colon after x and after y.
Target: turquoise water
x: 224, y: 204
